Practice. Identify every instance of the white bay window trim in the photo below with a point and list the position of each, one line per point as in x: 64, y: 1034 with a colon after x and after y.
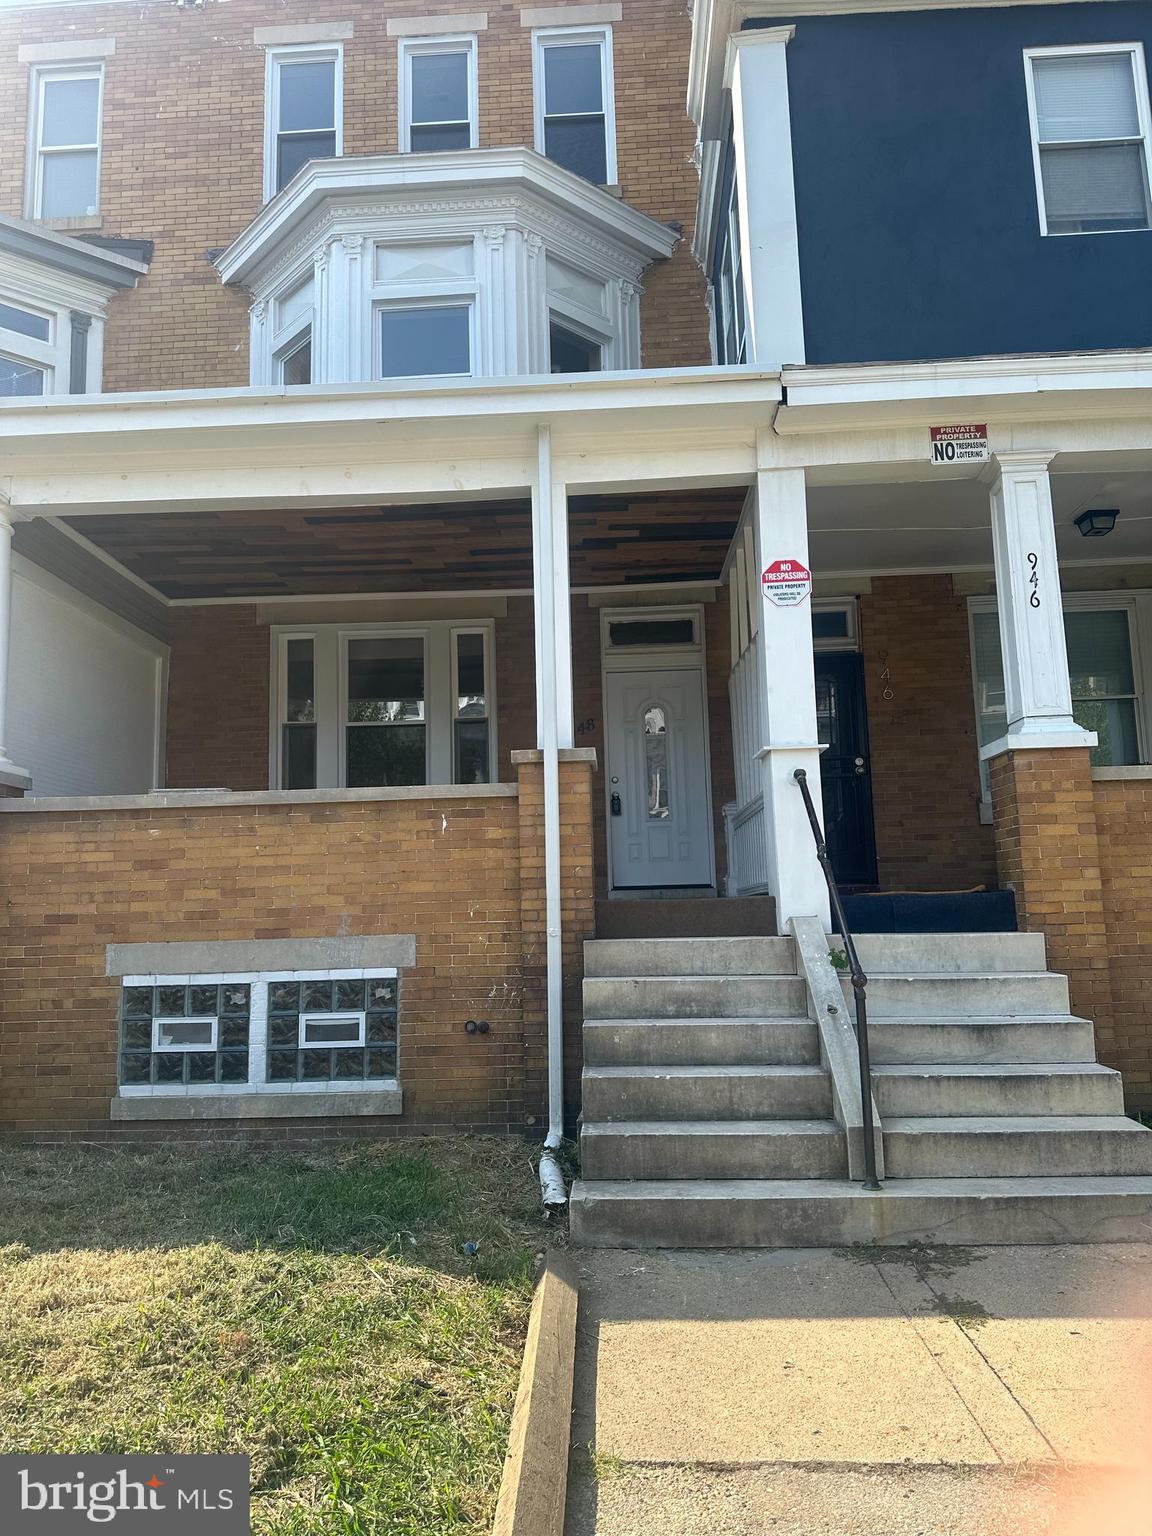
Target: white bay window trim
x: 275, y: 61
x: 440, y: 639
x: 410, y: 301
x: 410, y: 48
x: 546, y: 38
x: 39, y: 152
x: 1140, y: 136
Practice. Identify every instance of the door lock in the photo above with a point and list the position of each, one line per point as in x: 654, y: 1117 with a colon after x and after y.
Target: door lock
x: 617, y: 807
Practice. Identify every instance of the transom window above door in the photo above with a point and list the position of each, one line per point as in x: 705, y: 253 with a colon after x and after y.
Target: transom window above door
x: 383, y: 706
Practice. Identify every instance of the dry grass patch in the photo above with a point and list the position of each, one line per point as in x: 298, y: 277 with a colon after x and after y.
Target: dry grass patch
x: 315, y: 1313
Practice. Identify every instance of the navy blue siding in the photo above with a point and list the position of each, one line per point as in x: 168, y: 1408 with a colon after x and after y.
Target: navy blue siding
x: 916, y: 199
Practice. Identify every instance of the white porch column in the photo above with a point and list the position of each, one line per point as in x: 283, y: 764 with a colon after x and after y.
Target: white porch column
x: 788, y: 694
x: 1037, y: 689
x: 756, y: 72
x: 11, y: 777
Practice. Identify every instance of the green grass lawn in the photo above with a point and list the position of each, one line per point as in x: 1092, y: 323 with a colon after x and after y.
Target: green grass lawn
x: 315, y: 1312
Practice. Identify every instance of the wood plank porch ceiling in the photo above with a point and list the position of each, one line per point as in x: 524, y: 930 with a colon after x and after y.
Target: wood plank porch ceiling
x: 467, y: 546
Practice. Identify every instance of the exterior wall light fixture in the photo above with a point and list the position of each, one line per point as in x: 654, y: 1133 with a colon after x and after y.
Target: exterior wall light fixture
x: 1095, y: 524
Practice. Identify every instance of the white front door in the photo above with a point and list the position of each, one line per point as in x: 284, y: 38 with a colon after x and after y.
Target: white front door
x: 659, y: 809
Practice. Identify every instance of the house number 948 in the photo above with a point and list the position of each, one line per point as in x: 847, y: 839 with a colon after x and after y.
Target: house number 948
x: 1034, y: 581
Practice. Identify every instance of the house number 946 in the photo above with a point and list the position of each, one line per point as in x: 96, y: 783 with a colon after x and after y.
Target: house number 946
x: 1034, y: 581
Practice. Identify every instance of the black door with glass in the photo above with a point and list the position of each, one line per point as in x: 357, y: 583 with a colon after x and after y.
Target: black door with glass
x: 845, y: 776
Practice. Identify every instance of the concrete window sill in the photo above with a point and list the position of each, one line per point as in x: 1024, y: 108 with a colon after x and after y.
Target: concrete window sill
x: 386, y: 1099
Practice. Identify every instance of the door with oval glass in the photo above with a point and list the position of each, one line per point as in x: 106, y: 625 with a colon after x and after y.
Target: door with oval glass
x: 659, y: 810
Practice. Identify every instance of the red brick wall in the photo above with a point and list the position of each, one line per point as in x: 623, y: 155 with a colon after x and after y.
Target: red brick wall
x: 925, y: 764
x: 182, y: 159
x: 446, y: 869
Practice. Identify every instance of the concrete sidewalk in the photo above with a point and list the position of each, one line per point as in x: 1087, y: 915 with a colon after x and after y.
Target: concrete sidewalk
x: 881, y: 1391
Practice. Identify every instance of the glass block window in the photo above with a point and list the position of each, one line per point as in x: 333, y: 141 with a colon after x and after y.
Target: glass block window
x: 332, y: 1031
x: 184, y: 1034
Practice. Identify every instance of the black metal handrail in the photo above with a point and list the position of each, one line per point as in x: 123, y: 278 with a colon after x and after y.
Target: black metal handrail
x: 859, y: 984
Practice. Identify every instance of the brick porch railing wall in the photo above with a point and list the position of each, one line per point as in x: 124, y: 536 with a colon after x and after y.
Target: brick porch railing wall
x: 448, y: 869
x: 1077, y: 851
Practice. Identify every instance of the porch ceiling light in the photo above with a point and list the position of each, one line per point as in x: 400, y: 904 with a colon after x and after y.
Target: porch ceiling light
x: 1096, y: 523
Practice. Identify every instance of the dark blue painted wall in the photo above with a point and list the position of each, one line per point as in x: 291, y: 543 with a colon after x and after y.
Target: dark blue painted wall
x: 916, y: 200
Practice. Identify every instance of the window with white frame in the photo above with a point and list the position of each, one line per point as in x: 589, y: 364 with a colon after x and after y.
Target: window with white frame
x: 371, y: 706
x: 730, y: 303
x: 303, y: 111
x: 26, y: 349
x: 438, y: 93
x: 571, y: 351
x: 1101, y: 632
x: 574, y: 94
x: 421, y: 340
x: 1090, y: 138
x: 292, y: 321
x: 64, y: 142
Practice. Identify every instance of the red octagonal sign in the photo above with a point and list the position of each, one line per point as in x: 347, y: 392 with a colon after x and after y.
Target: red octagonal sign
x: 786, y: 583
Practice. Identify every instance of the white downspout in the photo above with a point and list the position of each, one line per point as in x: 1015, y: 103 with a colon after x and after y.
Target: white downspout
x: 545, y: 575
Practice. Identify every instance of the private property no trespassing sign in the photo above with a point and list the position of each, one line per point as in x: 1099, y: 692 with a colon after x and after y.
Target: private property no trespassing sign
x: 786, y: 583
x: 967, y: 444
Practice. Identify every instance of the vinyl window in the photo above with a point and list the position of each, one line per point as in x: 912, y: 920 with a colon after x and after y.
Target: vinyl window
x: 423, y: 340
x: 26, y: 349
x: 303, y: 111
x: 1090, y: 138
x: 65, y: 142
x: 731, y: 305
x: 438, y: 93
x: 575, y: 109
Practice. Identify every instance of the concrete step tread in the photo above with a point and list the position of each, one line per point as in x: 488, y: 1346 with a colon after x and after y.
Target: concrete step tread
x: 980, y: 975
x: 997, y: 1069
x: 712, y: 1128
x: 691, y: 1021
x: 842, y: 1189
x: 698, y: 976
x: 678, y: 1071
x: 983, y: 1020
x: 1002, y: 1125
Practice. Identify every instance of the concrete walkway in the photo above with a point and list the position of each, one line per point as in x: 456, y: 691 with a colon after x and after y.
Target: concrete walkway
x: 880, y: 1391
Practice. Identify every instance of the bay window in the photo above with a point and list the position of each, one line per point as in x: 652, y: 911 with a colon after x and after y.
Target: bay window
x: 383, y: 706
x: 419, y: 340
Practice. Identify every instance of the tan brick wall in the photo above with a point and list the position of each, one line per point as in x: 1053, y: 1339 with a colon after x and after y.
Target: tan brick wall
x: 1124, y: 829
x: 448, y: 870
x: 924, y: 757
x: 183, y: 155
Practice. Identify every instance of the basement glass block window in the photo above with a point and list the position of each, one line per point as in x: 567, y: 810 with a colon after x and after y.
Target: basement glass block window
x: 332, y: 1031
x: 184, y: 1034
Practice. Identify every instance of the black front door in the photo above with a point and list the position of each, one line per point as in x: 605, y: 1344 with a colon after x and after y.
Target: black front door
x: 845, y: 776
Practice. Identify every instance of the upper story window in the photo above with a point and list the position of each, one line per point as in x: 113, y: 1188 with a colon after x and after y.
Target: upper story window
x: 304, y: 111
x: 26, y: 351
x: 729, y: 302
x: 64, y: 163
x: 292, y: 334
x: 1090, y: 138
x: 571, y: 352
x: 575, y: 110
x: 438, y: 93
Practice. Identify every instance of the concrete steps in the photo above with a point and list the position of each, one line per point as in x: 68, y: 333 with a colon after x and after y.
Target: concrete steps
x: 701, y: 1042
x: 689, y: 957
x: 811, y: 1213
x: 996, y: 1038
x: 1038, y: 1088
x: 712, y: 1149
x: 706, y: 1093
x: 990, y: 994
x: 693, y: 997
x: 1017, y: 1146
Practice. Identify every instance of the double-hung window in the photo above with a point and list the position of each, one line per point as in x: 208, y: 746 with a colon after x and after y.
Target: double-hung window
x: 438, y: 93
x: 730, y: 305
x: 575, y: 116
x: 303, y: 111
x: 64, y: 167
x: 1090, y: 138
x: 384, y: 706
x: 292, y: 334
x: 1100, y: 633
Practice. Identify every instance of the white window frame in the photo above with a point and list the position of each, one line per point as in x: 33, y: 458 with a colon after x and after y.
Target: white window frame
x: 1135, y: 52
x: 40, y: 76
x: 1137, y: 605
x: 850, y: 640
x: 274, y: 58
x: 159, y: 1023
x: 580, y: 322
x: 451, y: 295
x: 462, y: 42
x: 346, y: 1017
x: 44, y: 356
x: 730, y: 279
x: 546, y: 37
x: 330, y: 661
x: 485, y: 631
